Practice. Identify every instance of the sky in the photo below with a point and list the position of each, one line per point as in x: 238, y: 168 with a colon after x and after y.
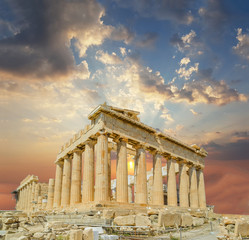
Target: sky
x: 182, y: 64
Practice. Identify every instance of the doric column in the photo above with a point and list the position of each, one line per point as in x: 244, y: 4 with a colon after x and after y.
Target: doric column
x: 141, y: 177
x: 76, y: 178
x: 157, y: 193
x: 122, y: 172
x: 130, y: 193
x: 39, y: 203
x: 171, y: 184
x: 101, y: 183
x: 183, y: 181
x: 193, y: 193
x: 109, y: 173
x: 88, y: 174
x: 20, y: 199
x: 201, y: 189
x: 29, y: 197
x: 50, y: 193
x: 32, y: 196
x: 58, y: 184
x: 66, y: 183
x: 25, y: 202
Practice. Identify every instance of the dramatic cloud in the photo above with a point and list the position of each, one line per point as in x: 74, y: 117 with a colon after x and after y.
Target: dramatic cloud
x: 189, y: 43
x: 238, y: 149
x: 108, y: 58
x: 39, y: 46
x: 177, y: 11
x: 242, y: 47
x: 186, y: 73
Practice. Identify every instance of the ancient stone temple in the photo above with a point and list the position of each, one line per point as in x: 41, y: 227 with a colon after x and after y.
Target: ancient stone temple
x: 83, y: 166
x: 31, y: 195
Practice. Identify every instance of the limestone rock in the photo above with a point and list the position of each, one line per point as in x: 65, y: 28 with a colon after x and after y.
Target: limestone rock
x: 23, y: 238
x: 142, y: 221
x: 228, y: 221
x: 199, y: 214
x: 9, y: 220
x: 88, y: 234
x: 169, y: 219
x: 108, y: 214
x: 125, y: 220
x: 152, y: 212
x: 154, y: 218
x: 198, y: 221
x: 123, y: 212
x: 75, y: 235
x: 241, y: 228
x: 187, y: 220
x: 38, y: 235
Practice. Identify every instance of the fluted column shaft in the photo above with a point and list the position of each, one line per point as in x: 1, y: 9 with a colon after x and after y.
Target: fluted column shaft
x: 171, y: 184
x: 76, y: 178
x: 26, y: 198
x: 58, y: 184
x: 50, y: 193
x: 66, y: 183
x: 29, y: 197
x: 141, y: 177
x: 122, y: 173
x: 201, y: 189
x: 183, y: 191
x: 157, y: 193
x: 193, y: 197
x: 101, y: 183
x: 109, y: 173
x: 88, y: 174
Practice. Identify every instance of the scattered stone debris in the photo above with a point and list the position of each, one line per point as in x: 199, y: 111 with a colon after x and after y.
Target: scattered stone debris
x: 126, y: 223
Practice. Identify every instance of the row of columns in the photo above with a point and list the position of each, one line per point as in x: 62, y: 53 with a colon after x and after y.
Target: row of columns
x: 28, y: 195
x: 67, y: 184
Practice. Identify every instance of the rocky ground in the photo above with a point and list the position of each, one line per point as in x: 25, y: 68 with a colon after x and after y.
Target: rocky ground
x: 121, y: 224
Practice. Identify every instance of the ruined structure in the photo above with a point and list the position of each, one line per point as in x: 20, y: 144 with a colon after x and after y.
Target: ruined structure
x: 120, y: 130
x: 31, y: 195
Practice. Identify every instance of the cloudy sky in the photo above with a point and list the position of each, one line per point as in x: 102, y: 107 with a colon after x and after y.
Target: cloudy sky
x: 183, y: 64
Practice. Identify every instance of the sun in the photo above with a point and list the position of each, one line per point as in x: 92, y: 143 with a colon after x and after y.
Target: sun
x: 130, y: 164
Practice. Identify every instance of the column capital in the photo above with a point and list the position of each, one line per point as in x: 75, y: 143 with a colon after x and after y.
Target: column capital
x: 102, y: 132
x: 118, y: 139
x: 155, y: 152
x: 77, y: 150
x: 139, y: 146
x: 182, y: 161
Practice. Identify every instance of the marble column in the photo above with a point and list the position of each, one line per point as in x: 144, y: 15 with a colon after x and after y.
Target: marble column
x: 29, y: 197
x: 122, y: 172
x: 88, y: 173
x: 25, y: 198
x: 183, y: 181
x: 66, y: 183
x: 193, y: 193
x: 50, y: 193
x: 109, y: 173
x: 21, y: 199
x: 58, y: 184
x: 171, y: 183
x: 157, y: 193
x: 141, y: 177
x: 101, y: 184
x: 33, y: 195
x: 130, y: 193
x: 76, y: 178
x: 39, y: 203
x: 201, y: 189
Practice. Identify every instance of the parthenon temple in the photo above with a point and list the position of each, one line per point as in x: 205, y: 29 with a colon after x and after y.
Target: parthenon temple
x: 83, y: 168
